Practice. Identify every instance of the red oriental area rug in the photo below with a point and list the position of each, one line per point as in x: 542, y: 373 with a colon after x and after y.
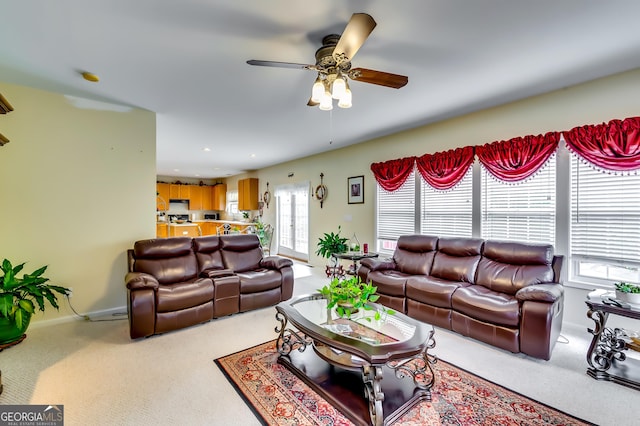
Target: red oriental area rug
x: 278, y: 397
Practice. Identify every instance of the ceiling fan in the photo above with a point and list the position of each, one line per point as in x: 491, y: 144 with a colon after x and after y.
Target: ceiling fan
x: 333, y: 65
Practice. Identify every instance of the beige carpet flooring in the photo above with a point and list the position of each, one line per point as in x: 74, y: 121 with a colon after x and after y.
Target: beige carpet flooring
x: 103, y: 378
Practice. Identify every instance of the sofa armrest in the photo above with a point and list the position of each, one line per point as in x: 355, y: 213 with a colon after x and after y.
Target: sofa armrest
x: 141, y: 280
x: 376, y: 264
x: 540, y: 293
x: 216, y: 273
x: 275, y: 262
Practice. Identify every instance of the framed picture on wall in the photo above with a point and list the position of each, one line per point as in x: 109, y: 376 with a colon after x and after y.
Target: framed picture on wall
x: 355, y: 190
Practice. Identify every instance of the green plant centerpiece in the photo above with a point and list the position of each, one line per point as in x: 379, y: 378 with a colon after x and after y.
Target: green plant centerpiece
x: 19, y: 297
x: 350, y: 295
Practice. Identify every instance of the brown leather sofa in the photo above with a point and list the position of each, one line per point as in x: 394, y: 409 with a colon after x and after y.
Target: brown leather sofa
x: 174, y: 283
x: 503, y: 293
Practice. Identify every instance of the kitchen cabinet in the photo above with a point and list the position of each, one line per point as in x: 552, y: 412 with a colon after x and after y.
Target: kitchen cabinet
x: 162, y: 200
x: 162, y: 230
x: 207, y: 197
x: 248, y: 194
x: 179, y: 191
x: 219, y: 197
x: 195, y: 197
x: 184, y: 230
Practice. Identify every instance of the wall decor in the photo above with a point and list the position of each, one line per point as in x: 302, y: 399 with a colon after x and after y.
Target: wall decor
x: 321, y: 191
x: 355, y: 190
x: 267, y: 196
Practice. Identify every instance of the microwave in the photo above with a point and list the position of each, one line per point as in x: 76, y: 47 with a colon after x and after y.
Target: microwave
x: 212, y: 216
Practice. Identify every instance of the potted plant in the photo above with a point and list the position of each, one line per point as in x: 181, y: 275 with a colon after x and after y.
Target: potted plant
x: 350, y: 295
x: 19, y: 297
x: 628, y: 292
x: 332, y: 243
x: 327, y: 245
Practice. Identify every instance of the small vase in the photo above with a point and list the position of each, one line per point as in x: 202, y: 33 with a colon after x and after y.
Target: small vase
x: 633, y: 298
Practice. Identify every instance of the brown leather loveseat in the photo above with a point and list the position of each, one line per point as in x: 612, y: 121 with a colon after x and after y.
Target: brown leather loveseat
x: 178, y: 282
x: 503, y: 293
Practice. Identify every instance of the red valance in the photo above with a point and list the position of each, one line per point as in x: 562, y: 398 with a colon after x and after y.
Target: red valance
x: 612, y: 146
x: 443, y: 170
x: 392, y: 174
x: 518, y: 158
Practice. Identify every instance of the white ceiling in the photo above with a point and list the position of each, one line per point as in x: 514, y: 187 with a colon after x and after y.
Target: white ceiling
x: 186, y: 61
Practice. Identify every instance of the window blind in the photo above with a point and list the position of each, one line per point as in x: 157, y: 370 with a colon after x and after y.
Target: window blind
x: 447, y: 213
x: 605, y: 215
x: 521, y: 212
x: 396, y: 211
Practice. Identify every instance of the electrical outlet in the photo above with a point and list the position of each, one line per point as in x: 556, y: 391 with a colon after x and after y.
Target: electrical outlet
x: 70, y: 292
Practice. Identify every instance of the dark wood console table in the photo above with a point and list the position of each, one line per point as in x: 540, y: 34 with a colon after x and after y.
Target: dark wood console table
x: 606, y: 357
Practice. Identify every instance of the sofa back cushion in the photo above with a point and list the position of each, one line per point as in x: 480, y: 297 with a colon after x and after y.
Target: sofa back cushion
x: 241, y: 252
x: 457, y: 259
x: 208, y: 252
x: 506, y: 267
x: 414, y: 253
x: 170, y: 260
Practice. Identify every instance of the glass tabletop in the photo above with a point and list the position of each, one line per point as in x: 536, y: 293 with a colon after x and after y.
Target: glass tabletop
x: 361, y: 326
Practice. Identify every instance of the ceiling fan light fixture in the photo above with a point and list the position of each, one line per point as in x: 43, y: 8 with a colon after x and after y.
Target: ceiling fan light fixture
x: 317, y: 91
x: 339, y: 87
x: 326, y: 103
x: 345, y: 100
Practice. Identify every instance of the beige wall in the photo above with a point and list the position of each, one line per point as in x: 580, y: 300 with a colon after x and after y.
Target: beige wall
x: 78, y: 188
x: 590, y: 103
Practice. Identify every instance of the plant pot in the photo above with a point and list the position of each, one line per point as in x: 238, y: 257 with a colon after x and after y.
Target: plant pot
x: 633, y: 298
x: 9, y: 332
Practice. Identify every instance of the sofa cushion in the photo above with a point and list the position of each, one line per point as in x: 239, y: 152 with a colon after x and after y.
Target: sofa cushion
x: 506, y: 267
x: 457, y: 259
x: 182, y: 295
x: 169, y: 260
x: 241, y: 252
x: 208, y: 252
x: 486, y: 305
x: 259, y: 280
x: 414, y: 253
x: 432, y: 290
x: 390, y: 282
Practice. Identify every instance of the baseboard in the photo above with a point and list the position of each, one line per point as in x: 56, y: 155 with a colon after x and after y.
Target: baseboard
x: 85, y: 317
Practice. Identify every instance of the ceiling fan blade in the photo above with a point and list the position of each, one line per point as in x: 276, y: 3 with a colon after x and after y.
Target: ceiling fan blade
x: 280, y: 64
x: 353, y: 36
x: 312, y: 103
x: 378, y: 77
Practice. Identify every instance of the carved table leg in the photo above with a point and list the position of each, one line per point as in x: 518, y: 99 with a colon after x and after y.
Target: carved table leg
x: 372, y: 376
x: 289, y: 339
x: 607, y: 344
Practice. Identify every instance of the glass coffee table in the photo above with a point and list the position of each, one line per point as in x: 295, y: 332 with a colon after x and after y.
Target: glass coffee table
x: 372, y: 370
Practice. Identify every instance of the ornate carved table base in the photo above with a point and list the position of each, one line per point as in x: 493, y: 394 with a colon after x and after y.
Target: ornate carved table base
x: 366, y: 394
x: 605, y: 355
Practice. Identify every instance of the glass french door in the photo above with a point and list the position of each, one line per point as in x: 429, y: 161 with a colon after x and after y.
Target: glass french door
x: 293, y: 220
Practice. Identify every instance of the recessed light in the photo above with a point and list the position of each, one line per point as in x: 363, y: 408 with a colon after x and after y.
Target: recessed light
x: 206, y: 149
x: 252, y: 156
x: 176, y: 170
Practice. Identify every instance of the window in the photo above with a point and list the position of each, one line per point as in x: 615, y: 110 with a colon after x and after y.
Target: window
x: 447, y: 213
x: 396, y: 214
x: 525, y: 211
x: 605, y: 225
x: 232, y: 202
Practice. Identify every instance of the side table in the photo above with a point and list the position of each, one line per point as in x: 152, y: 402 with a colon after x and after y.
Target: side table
x: 353, y: 256
x: 606, y: 357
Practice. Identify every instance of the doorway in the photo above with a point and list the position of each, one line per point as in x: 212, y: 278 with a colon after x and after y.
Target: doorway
x: 292, y: 203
